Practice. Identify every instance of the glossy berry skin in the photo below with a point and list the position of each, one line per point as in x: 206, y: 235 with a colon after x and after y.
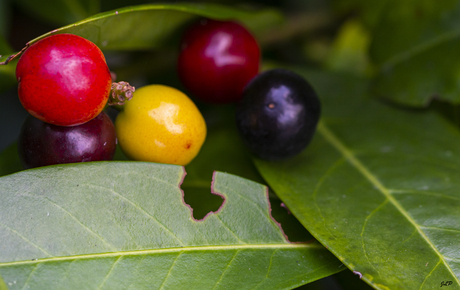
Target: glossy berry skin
x: 160, y: 124
x: 63, y: 80
x: 278, y: 114
x: 42, y: 144
x: 217, y: 60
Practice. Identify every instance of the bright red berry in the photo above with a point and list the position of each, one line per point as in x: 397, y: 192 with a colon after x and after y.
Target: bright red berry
x: 217, y: 60
x: 63, y: 80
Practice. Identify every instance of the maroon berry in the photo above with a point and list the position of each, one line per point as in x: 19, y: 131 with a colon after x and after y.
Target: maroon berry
x: 42, y: 144
x: 63, y: 80
x: 217, y: 60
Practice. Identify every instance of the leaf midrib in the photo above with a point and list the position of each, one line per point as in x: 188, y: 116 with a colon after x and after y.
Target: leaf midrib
x: 354, y: 161
x: 313, y: 245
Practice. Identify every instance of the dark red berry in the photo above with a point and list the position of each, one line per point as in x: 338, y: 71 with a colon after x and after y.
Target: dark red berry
x: 278, y: 114
x: 63, y: 80
x: 42, y: 144
x: 217, y: 60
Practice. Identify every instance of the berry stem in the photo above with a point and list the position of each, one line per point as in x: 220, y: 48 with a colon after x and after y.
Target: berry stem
x: 120, y: 93
x: 13, y: 56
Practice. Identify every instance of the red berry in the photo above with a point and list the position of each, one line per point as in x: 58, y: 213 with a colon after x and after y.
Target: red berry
x: 42, y: 144
x: 63, y: 80
x: 217, y: 60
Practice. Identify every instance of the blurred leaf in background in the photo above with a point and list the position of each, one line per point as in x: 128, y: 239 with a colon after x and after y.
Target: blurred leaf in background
x: 348, y: 53
x: 416, y: 46
x: 60, y: 12
x: 5, y: 16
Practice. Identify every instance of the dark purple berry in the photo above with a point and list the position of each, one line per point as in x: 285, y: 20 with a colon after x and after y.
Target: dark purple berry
x: 278, y: 114
x: 42, y: 144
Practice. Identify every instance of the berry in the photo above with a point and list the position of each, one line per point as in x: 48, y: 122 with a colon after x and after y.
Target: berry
x: 63, y: 80
x: 278, y: 114
x: 42, y: 144
x: 217, y: 60
x: 160, y: 124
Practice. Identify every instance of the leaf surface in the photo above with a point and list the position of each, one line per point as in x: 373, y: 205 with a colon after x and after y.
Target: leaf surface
x: 60, y: 12
x: 152, y: 26
x: 416, y: 44
x: 378, y: 187
x: 124, y: 224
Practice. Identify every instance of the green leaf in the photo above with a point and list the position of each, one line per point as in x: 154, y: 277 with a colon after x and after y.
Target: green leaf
x: 152, y: 26
x: 61, y: 12
x: 2, y: 285
x: 378, y: 187
x: 416, y: 46
x: 115, y: 225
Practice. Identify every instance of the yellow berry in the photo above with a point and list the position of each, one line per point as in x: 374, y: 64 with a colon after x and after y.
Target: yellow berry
x: 160, y: 124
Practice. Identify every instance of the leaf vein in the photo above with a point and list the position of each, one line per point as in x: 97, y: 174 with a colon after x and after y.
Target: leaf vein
x: 30, y: 275
x: 141, y: 210
x: 113, y: 248
x: 218, y: 218
x: 65, y: 274
x: 321, y: 180
x: 364, y: 227
x: 226, y: 268
x: 262, y: 211
x: 167, y: 251
x: 25, y: 239
x: 431, y: 193
x: 169, y: 271
x: 429, y: 274
x: 110, y: 272
x: 441, y: 229
x: 268, y: 270
x: 348, y: 154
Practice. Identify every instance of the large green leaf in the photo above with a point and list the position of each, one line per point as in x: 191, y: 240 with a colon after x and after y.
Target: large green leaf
x: 378, y: 187
x: 116, y: 225
x: 151, y: 26
x: 416, y: 45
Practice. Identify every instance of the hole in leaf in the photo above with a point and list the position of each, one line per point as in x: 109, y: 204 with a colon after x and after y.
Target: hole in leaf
x: 292, y: 228
x: 198, y: 195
